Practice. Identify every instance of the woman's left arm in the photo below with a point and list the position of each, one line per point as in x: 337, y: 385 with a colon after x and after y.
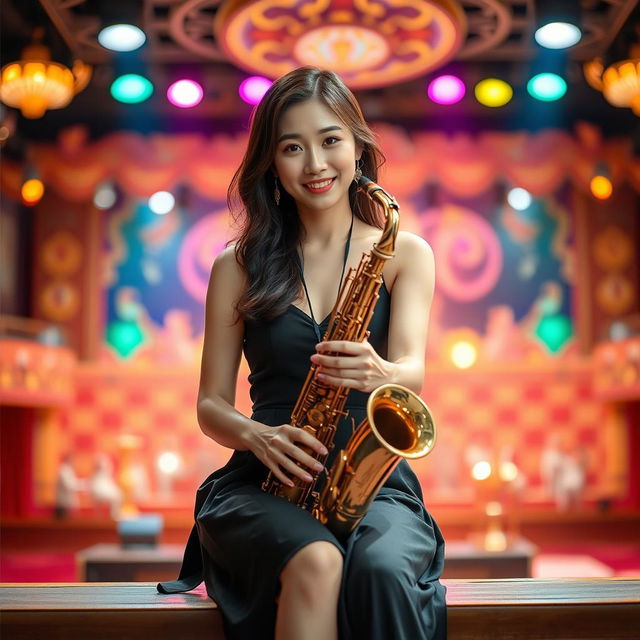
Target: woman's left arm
x: 361, y: 367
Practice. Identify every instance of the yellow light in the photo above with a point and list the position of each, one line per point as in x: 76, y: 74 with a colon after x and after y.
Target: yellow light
x: 493, y: 92
x: 32, y: 190
x: 35, y: 84
x: 481, y: 470
x: 464, y: 354
x: 601, y: 187
x: 508, y: 471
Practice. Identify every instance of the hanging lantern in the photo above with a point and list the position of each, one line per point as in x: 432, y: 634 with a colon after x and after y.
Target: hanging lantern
x: 35, y: 84
x: 619, y: 82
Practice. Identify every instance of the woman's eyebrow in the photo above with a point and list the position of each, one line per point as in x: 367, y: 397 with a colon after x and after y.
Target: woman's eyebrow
x: 297, y: 136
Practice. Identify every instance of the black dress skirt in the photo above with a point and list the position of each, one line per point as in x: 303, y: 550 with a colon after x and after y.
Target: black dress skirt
x: 243, y: 537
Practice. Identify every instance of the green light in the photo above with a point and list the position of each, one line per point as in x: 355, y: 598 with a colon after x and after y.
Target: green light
x: 547, y: 87
x: 131, y: 88
x: 554, y: 331
x: 124, y: 336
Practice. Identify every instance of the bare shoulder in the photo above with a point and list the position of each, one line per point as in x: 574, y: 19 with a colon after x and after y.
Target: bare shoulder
x: 227, y: 273
x: 413, y: 254
x: 412, y: 245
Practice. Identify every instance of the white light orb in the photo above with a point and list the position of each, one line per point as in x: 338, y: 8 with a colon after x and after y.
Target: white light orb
x: 481, y: 470
x: 105, y: 196
x: 161, y: 202
x: 558, y: 35
x: 122, y: 37
x: 464, y: 354
x: 519, y: 198
x: 168, y: 462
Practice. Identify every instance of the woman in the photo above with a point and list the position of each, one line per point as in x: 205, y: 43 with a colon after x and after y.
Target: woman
x: 272, y: 568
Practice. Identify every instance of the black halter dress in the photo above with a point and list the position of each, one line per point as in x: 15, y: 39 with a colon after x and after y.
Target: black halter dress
x: 243, y: 537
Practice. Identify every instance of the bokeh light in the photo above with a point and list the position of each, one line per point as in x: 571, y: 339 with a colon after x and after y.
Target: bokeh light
x: 464, y: 354
x: 558, y: 35
x: 508, y: 471
x: 161, y: 202
x: 481, y: 470
x: 122, y: 37
x: 252, y: 89
x: 554, y: 330
x: 185, y: 93
x: 105, y: 196
x: 519, y: 198
x: 168, y: 462
x: 547, y: 87
x: 124, y: 336
x: 601, y: 187
x: 131, y: 88
x: 32, y: 191
x: 493, y: 92
x: 446, y: 89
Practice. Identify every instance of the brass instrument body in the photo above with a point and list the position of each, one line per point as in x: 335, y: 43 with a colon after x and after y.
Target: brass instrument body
x: 398, y: 425
x: 320, y: 407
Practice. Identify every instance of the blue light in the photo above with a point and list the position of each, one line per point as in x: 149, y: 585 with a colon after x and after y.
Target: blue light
x: 547, y: 87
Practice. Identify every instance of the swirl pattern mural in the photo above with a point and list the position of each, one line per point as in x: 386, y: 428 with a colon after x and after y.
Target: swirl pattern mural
x: 201, y: 244
x: 467, y: 250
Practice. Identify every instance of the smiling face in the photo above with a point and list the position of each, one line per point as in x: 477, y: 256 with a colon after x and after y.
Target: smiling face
x: 315, y: 157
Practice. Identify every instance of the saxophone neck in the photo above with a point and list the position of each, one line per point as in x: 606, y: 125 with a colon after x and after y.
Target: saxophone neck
x: 385, y: 248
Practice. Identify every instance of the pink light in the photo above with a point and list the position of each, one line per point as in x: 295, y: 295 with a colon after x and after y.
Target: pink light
x: 446, y: 90
x: 185, y: 93
x: 253, y: 88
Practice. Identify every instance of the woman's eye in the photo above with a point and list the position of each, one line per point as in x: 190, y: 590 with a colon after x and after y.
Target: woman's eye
x: 332, y: 140
x: 291, y: 147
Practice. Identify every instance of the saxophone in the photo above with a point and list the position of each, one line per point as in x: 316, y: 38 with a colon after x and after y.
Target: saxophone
x: 398, y: 423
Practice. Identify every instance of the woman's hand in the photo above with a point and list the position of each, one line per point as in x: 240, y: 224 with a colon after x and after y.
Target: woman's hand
x: 281, y: 448
x: 358, y: 366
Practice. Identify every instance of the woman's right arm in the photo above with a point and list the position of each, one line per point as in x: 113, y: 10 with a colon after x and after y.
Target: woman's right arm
x: 221, y: 353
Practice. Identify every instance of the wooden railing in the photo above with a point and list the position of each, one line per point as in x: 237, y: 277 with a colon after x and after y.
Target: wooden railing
x: 526, y: 609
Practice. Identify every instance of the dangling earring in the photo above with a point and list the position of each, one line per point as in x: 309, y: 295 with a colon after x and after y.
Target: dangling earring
x: 358, y: 173
x: 276, y: 193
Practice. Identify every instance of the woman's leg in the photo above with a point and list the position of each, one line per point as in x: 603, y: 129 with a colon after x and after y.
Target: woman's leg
x: 308, y: 602
x: 391, y: 587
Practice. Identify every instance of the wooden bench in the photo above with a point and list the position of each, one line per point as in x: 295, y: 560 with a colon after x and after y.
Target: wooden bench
x: 558, y: 609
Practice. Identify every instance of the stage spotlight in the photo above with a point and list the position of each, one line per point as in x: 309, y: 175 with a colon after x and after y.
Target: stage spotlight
x: 122, y: 37
x: 32, y: 191
x: 446, y: 89
x: 558, y: 35
x: 131, y: 88
x: 547, y: 87
x: 557, y: 23
x: 493, y: 92
x: 161, y: 202
x: 185, y: 93
x: 252, y: 89
x: 519, y: 198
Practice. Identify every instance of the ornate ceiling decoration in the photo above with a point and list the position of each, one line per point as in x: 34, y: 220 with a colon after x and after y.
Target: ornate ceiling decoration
x: 183, y: 30
x: 370, y: 43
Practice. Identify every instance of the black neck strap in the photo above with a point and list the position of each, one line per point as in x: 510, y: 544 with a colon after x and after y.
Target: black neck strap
x: 316, y: 326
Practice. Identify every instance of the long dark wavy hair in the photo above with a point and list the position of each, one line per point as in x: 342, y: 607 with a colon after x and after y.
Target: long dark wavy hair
x: 269, y: 234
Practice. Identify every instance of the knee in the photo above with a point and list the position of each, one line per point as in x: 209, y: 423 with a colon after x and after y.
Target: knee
x: 314, y: 569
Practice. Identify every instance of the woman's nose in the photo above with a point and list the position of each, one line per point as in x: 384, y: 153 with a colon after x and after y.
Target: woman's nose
x: 316, y: 161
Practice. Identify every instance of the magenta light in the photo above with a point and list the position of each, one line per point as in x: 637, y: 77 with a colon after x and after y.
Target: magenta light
x: 252, y: 89
x: 446, y: 90
x: 185, y: 93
